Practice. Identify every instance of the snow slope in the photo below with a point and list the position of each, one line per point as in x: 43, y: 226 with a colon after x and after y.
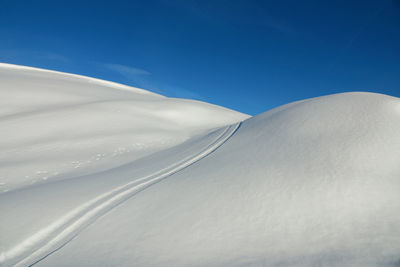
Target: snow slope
x: 311, y: 183
x: 96, y: 124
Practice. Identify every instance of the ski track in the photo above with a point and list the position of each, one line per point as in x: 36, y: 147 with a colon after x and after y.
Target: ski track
x: 59, y: 233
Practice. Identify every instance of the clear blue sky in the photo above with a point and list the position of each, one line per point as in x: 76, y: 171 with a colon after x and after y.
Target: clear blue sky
x: 247, y: 55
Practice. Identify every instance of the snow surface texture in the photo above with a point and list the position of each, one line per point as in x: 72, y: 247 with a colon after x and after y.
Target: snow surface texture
x: 311, y: 183
x: 55, y: 125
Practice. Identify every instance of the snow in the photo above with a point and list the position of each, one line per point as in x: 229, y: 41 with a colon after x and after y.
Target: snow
x: 311, y: 183
x: 97, y: 125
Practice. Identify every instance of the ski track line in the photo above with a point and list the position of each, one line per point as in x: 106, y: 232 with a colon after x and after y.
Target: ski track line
x: 59, y: 233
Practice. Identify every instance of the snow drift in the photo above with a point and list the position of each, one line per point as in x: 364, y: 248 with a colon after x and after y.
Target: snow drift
x: 95, y: 124
x: 311, y: 183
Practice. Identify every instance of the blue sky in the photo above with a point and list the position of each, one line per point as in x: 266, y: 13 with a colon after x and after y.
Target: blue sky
x: 247, y: 55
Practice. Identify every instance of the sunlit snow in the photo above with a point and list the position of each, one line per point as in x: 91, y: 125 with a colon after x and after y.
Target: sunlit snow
x: 92, y: 175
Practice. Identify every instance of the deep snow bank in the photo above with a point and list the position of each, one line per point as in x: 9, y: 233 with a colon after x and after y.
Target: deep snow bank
x: 56, y: 125
x: 312, y: 183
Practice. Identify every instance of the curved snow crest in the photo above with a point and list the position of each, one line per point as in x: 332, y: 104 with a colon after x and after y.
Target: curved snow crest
x: 81, y: 77
x: 56, y: 235
x: 312, y: 183
x: 80, y: 125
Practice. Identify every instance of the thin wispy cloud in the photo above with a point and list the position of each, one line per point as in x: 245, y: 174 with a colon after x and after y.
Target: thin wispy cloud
x: 51, y: 56
x: 145, y: 80
x: 133, y: 76
x: 175, y: 91
x: 126, y: 71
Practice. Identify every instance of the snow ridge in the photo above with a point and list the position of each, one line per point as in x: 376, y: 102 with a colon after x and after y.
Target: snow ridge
x: 56, y: 235
x: 81, y: 77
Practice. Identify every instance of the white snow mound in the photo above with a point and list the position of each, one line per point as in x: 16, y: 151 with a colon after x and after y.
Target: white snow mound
x: 311, y: 183
x: 56, y: 125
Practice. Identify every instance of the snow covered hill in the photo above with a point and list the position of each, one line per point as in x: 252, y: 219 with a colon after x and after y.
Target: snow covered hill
x: 55, y: 125
x: 311, y: 183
